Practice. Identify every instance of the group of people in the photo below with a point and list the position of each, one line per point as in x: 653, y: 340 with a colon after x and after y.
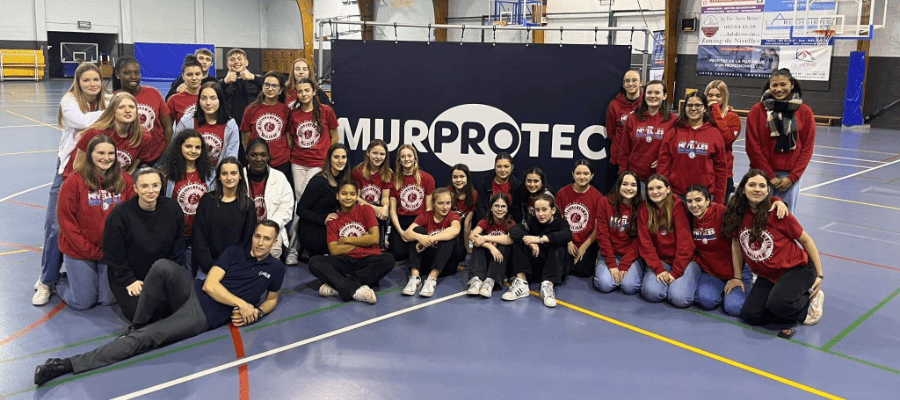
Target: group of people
x: 180, y: 211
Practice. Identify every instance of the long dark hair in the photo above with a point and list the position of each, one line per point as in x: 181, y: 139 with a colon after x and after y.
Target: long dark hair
x: 468, y: 190
x: 173, y: 164
x: 242, y: 194
x: 660, y: 215
x: 549, y: 199
x: 333, y: 180
x: 95, y: 179
x: 121, y: 63
x: 506, y: 217
x: 222, y: 116
x: 316, y: 109
x: 682, y: 114
x: 545, y: 186
x: 262, y: 96
x: 615, y: 200
x: 739, y: 205
x: 639, y: 113
x: 785, y: 73
x: 704, y: 191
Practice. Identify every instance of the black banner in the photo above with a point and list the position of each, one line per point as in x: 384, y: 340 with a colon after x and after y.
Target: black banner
x: 544, y: 104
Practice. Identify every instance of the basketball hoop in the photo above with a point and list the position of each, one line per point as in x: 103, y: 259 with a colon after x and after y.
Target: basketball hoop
x: 823, y: 36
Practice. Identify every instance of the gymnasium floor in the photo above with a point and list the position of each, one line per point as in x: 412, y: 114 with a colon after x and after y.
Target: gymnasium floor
x: 451, y: 346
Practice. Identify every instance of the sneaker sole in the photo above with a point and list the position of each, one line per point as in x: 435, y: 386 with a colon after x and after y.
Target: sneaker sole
x: 822, y: 311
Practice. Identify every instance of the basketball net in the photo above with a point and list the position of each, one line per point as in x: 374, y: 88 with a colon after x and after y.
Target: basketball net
x: 823, y: 36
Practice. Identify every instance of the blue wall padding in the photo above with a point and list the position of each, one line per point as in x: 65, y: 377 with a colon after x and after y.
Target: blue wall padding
x: 853, y: 99
x: 162, y: 61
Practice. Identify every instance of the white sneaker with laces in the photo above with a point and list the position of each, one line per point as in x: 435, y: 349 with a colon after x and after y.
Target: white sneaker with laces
x: 428, y: 288
x: 517, y: 290
x: 38, y: 283
x: 365, y: 294
x: 474, y: 286
x: 547, y: 294
x: 326, y: 290
x: 292, y: 258
x: 41, y: 295
x: 412, y: 286
x: 487, y: 288
x: 816, y: 306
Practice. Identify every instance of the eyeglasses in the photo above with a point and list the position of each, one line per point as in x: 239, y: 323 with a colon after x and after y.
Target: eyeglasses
x: 694, y: 106
x: 271, y: 86
x: 499, y: 206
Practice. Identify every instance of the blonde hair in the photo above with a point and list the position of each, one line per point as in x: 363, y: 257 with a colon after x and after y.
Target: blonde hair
x: 75, y: 90
x: 398, y: 169
x: 292, y: 81
x: 133, y: 131
x: 723, y: 91
x: 366, y: 167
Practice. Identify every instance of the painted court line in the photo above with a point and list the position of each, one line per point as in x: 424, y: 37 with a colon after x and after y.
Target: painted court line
x: 836, y: 157
x: 849, y: 176
x: 859, y: 150
x: 13, y: 252
x: 243, y: 373
x: 859, y: 261
x: 25, y: 191
x: 36, y: 324
x: 34, y: 120
x: 281, y: 349
x: 29, y: 152
x: 862, y: 203
x: 702, y: 352
x: 859, y: 321
x: 19, y: 126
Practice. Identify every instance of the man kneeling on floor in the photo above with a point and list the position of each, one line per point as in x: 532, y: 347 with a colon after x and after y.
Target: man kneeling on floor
x: 237, y: 281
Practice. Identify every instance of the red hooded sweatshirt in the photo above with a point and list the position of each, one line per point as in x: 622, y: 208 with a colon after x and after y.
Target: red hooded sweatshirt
x: 713, y: 249
x: 689, y: 156
x: 730, y: 126
x: 761, y: 144
x: 82, y: 216
x: 616, y: 115
x: 640, y: 143
x: 674, y: 247
x: 613, y: 237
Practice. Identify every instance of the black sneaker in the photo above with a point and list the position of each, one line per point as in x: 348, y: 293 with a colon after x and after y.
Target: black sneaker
x: 51, y: 369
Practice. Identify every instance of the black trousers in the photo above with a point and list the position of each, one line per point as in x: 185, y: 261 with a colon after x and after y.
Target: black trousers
x: 549, y: 265
x: 347, y: 274
x: 313, y: 239
x: 443, y: 257
x: 785, y: 301
x: 585, y: 268
x: 129, y: 304
x: 483, y: 265
x: 396, y: 246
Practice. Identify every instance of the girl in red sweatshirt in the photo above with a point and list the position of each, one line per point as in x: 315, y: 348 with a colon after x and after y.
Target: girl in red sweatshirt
x: 644, y: 131
x: 577, y: 202
x: 693, y: 152
x: 373, y: 177
x: 492, y: 244
x: 267, y: 118
x: 618, y: 264
x: 729, y: 124
x: 154, y: 113
x: 628, y: 100
x: 781, y: 132
x: 121, y: 122
x: 85, y: 200
x: 788, y: 288
x: 666, y: 246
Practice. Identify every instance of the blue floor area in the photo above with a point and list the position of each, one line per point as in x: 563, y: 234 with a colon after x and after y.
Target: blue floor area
x: 468, y: 347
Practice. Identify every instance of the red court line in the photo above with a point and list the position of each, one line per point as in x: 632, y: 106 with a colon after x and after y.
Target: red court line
x: 36, y: 324
x: 22, y: 246
x: 889, y: 159
x: 243, y: 373
x: 860, y: 261
x: 27, y: 204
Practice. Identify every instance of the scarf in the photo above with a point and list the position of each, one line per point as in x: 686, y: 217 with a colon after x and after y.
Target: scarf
x: 781, y: 120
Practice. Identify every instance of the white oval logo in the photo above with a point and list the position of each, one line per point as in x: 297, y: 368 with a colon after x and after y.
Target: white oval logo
x: 475, y: 133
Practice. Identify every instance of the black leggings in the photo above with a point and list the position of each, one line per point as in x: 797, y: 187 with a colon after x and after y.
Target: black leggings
x: 396, y: 246
x: 549, y: 265
x: 442, y: 257
x: 785, y: 301
x: 347, y: 274
x: 483, y: 264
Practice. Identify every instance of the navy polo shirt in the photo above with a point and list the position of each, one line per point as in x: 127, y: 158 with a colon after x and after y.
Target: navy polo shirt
x: 245, y: 277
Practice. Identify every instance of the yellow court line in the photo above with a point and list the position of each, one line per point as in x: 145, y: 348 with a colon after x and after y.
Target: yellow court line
x: 29, y: 152
x: 13, y: 252
x: 701, y: 352
x: 862, y: 203
x: 34, y: 120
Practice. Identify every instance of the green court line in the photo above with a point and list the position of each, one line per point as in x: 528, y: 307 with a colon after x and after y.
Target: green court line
x: 858, y: 322
x: 155, y: 355
x: 804, y: 344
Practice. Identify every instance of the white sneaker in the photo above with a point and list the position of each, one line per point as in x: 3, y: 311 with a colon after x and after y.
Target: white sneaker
x: 474, y: 286
x: 38, y: 283
x: 517, y: 290
x: 487, y: 288
x: 547, y: 294
x: 412, y: 286
x: 428, y: 288
x: 816, y: 306
x: 291, y: 258
x: 326, y: 290
x: 365, y: 294
x: 42, y: 294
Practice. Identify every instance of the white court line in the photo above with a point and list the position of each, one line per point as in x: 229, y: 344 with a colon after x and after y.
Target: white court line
x: 18, y: 126
x: 25, y: 191
x: 34, y: 120
x: 30, y: 152
x: 843, y: 165
x: 842, y: 158
x: 304, y: 342
x: 849, y: 176
x: 827, y: 228
x: 861, y: 150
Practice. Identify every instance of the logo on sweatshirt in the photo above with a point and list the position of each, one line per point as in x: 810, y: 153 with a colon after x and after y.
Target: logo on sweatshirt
x: 260, y: 203
x: 147, y: 115
x: 693, y: 148
x: 124, y: 158
x: 104, y: 199
x: 371, y: 194
x: 269, y: 126
x: 191, y: 109
x: 352, y: 229
x: 649, y: 134
x: 307, y: 136
x: 704, y: 235
x: 412, y: 197
x: 578, y: 216
x: 619, y: 223
x: 215, y: 146
x: 189, y: 196
x: 757, y: 251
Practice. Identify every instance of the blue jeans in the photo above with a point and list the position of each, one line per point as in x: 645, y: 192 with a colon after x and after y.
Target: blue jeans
x: 710, y: 290
x: 631, y: 284
x: 791, y: 195
x: 51, y: 257
x: 680, y: 292
x: 85, y: 285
